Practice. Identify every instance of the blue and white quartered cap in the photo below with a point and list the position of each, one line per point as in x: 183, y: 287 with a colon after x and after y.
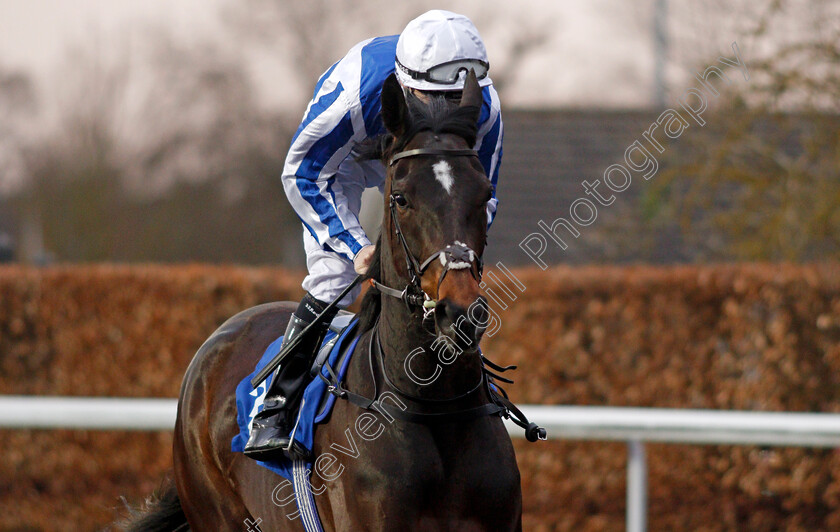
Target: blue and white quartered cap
x: 437, y: 49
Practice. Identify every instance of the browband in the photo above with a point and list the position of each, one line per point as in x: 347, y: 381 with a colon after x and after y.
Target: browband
x: 431, y: 151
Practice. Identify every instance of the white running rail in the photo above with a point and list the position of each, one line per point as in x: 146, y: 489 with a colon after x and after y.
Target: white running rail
x: 633, y: 425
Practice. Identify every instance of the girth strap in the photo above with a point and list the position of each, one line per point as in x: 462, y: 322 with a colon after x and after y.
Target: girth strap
x: 303, y: 496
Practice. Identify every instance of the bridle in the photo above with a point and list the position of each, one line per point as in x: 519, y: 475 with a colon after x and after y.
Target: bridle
x: 455, y: 256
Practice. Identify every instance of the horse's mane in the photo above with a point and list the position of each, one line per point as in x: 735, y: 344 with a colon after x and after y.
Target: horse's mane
x: 439, y: 116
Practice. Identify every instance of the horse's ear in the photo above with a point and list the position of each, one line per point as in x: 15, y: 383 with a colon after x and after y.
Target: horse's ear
x: 471, y: 97
x: 394, y: 108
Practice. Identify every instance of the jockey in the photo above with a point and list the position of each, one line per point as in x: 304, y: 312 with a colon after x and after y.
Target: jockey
x: 324, y: 181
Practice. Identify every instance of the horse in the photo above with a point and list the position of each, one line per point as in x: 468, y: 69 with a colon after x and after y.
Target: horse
x: 437, y: 458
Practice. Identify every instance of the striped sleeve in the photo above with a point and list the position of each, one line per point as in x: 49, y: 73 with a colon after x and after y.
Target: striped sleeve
x: 329, y: 131
x: 489, y: 143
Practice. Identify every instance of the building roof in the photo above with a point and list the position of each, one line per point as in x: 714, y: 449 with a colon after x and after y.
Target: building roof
x: 547, y: 156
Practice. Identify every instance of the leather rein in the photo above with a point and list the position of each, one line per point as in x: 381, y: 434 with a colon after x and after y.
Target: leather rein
x: 499, y: 403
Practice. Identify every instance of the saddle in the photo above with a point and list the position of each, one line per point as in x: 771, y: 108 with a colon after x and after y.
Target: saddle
x: 316, y: 404
x: 338, y: 324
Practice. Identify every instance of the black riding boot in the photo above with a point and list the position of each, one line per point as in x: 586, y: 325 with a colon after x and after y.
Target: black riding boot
x: 271, y: 427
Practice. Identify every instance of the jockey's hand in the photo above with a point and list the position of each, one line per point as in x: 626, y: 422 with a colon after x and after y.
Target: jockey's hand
x: 363, y: 258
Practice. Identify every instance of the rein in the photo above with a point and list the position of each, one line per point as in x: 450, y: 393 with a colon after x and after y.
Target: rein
x: 496, y: 406
x: 454, y: 256
x: 499, y: 403
x: 417, y: 398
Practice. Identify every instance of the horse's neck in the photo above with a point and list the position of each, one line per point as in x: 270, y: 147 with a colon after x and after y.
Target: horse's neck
x: 402, y: 337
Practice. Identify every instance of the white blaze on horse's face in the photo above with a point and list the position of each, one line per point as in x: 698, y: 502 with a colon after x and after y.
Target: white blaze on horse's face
x: 443, y: 173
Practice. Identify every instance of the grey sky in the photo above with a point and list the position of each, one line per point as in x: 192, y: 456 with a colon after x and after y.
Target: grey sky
x: 595, y: 55
x: 599, y: 52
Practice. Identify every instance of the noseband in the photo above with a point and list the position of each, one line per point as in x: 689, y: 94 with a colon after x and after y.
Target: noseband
x: 455, y: 256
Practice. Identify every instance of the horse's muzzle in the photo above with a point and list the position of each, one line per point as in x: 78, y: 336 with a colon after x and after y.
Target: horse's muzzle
x: 463, y: 325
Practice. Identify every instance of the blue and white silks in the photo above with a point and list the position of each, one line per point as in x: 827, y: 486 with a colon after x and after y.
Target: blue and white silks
x: 320, y: 174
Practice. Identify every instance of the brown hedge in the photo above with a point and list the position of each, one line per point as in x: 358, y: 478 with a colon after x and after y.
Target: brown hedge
x: 756, y: 337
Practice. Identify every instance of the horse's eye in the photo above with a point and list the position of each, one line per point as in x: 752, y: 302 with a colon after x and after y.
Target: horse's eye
x: 400, y: 200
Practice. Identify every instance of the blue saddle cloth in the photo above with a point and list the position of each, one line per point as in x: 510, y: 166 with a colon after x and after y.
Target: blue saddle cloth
x: 249, y: 401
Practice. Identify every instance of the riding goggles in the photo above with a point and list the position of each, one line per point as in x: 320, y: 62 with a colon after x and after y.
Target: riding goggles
x: 447, y: 73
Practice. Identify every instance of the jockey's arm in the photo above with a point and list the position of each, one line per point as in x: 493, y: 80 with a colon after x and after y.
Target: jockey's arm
x: 323, y: 141
x: 489, y: 141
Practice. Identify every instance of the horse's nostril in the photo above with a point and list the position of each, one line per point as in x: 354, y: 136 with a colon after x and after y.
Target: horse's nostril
x: 453, y: 312
x: 445, y: 313
x: 478, y: 314
x: 468, y: 324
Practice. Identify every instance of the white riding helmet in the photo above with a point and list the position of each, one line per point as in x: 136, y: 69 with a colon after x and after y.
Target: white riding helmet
x: 437, y: 49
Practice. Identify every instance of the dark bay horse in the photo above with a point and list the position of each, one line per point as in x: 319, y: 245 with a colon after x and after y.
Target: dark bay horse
x: 436, y: 466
